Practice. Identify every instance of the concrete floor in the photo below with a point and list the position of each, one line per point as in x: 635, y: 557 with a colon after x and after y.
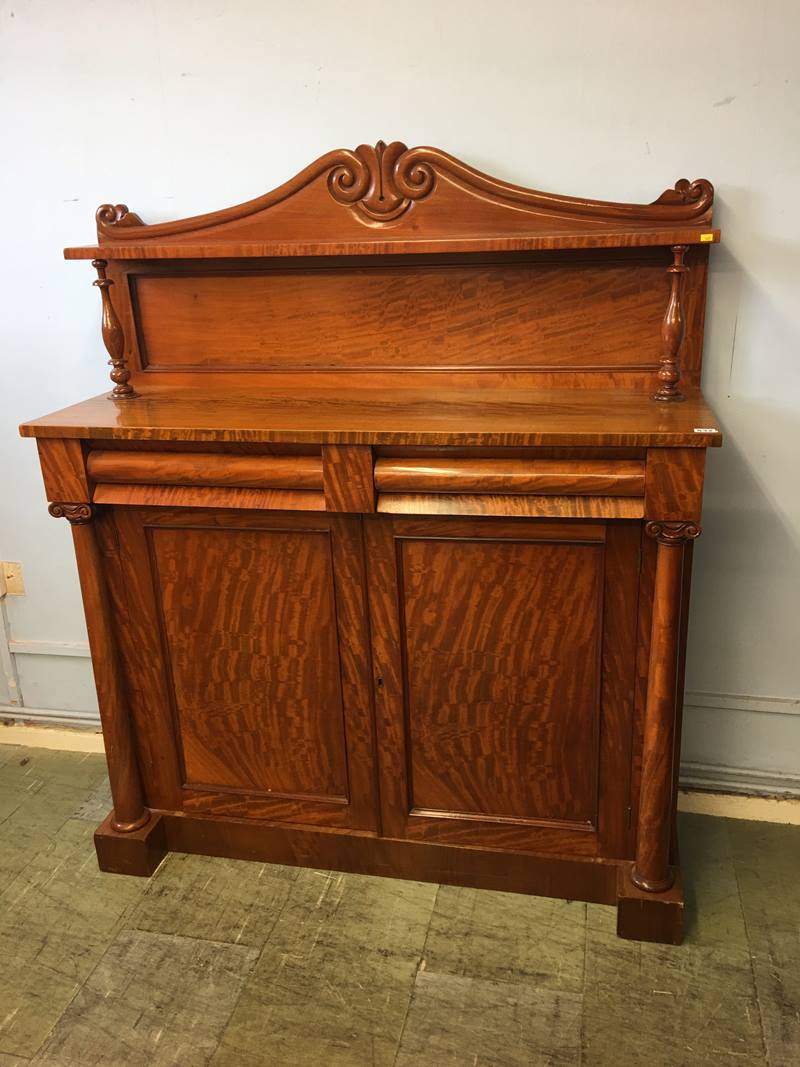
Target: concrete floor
x: 240, y: 964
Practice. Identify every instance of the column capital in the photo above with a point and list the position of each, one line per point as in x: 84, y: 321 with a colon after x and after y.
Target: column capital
x: 75, y: 514
x: 672, y: 533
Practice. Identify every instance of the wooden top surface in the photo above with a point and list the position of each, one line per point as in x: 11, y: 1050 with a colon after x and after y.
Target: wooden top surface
x: 378, y: 410
x: 389, y: 199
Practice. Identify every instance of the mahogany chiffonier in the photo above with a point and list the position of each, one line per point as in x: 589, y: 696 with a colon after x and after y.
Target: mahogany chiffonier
x: 384, y: 531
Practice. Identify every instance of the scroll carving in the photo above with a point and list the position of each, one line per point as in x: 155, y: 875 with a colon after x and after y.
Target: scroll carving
x: 697, y: 195
x: 113, y: 336
x: 116, y: 215
x: 381, y: 182
x: 75, y: 514
x: 672, y: 328
x: 672, y: 533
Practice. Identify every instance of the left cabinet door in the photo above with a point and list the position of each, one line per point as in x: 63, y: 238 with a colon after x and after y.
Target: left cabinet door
x: 243, y: 636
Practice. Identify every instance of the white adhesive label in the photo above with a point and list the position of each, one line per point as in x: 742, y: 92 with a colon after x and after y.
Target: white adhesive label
x: 706, y: 429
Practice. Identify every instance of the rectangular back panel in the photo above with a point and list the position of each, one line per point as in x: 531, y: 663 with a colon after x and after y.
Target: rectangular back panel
x: 598, y: 314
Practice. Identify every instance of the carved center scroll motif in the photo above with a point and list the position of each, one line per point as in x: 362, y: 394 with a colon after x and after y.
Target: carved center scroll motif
x: 381, y: 182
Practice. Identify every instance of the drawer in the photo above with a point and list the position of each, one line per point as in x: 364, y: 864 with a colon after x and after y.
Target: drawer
x: 207, y: 479
x: 491, y: 485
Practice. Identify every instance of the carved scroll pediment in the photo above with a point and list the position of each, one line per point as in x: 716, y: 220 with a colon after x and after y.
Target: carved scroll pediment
x: 346, y: 191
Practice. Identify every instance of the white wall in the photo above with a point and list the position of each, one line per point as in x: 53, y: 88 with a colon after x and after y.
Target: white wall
x: 182, y: 106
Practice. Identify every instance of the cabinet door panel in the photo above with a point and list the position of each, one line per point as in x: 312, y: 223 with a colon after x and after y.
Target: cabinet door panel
x: 498, y: 723
x: 253, y: 658
x: 501, y: 681
x: 258, y: 625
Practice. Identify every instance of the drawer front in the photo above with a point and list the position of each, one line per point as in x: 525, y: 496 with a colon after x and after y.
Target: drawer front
x: 532, y: 485
x: 154, y: 478
x: 359, y: 479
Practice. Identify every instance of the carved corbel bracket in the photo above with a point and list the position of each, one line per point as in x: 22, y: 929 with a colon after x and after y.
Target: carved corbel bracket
x: 113, y: 337
x: 672, y: 533
x: 669, y: 373
x: 75, y: 514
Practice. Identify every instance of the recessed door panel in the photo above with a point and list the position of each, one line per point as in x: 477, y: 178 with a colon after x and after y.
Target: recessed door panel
x: 250, y: 634
x: 501, y: 681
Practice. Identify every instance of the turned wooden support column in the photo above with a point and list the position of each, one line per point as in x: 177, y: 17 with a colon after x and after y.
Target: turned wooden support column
x: 130, y: 812
x: 113, y: 337
x: 652, y: 871
x: 672, y: 328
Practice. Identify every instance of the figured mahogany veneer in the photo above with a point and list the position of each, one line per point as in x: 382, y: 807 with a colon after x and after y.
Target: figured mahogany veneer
x: 385, y: 529
x: 206, y: 468
x: 192, y: 496
x: 385, y: 410
x: 575, y: 507
x: 463, y: 475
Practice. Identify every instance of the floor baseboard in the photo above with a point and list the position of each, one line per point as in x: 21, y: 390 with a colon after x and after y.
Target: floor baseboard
x: 67, y: 740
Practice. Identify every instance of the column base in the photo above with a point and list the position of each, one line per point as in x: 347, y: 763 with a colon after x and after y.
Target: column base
x: 137, y: 852
x: 648, y: 916
x: 649, y: 886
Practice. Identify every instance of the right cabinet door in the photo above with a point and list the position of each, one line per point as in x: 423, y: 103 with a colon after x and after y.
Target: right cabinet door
x: 504, y: 657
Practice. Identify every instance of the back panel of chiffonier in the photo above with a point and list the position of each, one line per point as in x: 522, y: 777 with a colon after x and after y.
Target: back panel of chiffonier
x: 589, y: 312
x: 391, y: 260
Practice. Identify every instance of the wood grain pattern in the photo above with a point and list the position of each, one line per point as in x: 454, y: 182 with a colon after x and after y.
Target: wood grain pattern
x: 399, y: 343
x: 195, y: 496
x: 499, y: 681
x: 476, y: 684
x: 643, y: 916
x: 652, y: 871
x: 561, y: 476
x: 138, y: 853
x: 674, y: 483
x: 130, y: 812
x: 206, y: 468
x: 618, y: 671
x: 264, y: 715
x: 133, y: 604
x: 451, y: 455
x: 277, y: 723
x: 576, y: 507
x: 384, y: 410
x: 499, y: 316
x: 672, y: 330
x: 622, y: 237
x: 113, y: 337
x: 345, y: 196
x: 417, y: 683
x: 349, y: 484
x: 63, y: 469
x: 575, y: 878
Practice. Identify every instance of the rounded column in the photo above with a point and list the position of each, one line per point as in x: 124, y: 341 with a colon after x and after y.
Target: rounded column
x: 130, y: 812
x: 651, y: 871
